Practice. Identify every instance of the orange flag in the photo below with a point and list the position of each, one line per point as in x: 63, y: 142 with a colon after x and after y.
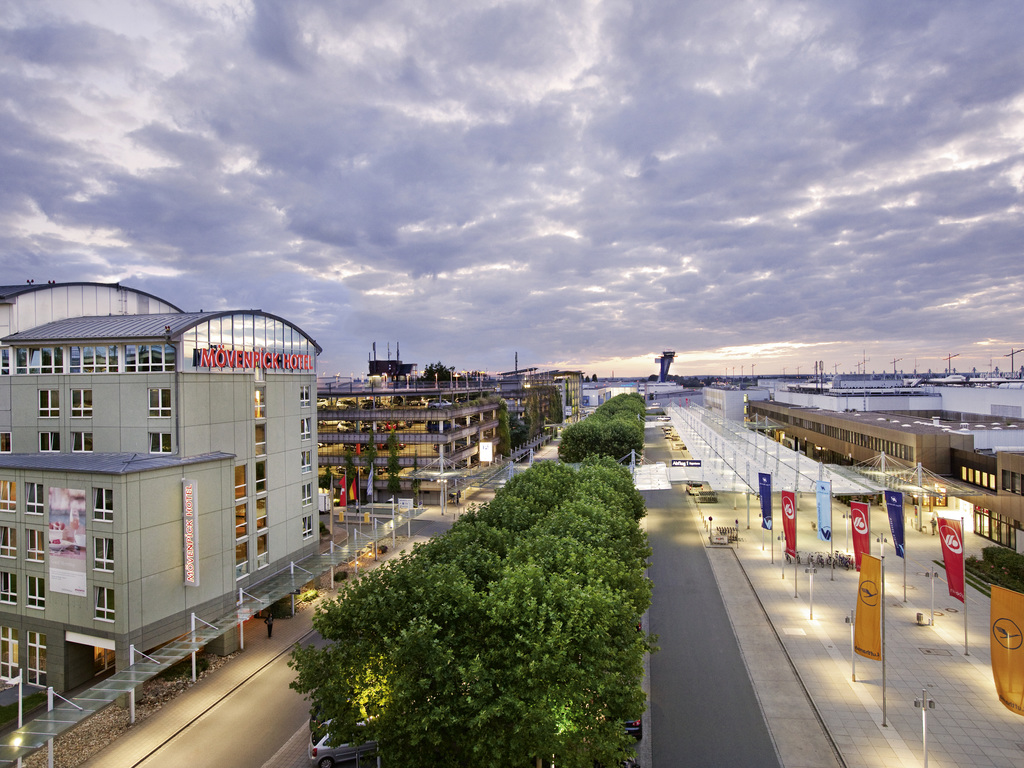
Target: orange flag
x: 1006, y: 620
x: 867, y: 631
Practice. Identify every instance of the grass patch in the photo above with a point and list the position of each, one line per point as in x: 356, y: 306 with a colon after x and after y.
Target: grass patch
x: 9, y: 712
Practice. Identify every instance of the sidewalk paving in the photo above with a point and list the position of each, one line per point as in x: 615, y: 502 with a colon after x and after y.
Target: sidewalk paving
x: 968, y: 727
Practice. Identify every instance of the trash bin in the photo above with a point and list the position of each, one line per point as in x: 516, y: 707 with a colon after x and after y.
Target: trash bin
x: 922, y: 621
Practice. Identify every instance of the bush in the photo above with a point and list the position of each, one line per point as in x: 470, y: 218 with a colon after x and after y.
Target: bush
x: 340, y: 575
x: 183, y: 668
x: 999, y: 565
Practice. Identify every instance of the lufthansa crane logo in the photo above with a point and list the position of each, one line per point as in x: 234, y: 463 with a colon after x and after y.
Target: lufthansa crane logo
x: 868, y: 594
x: 860, y: 522
x: 951, y: 539
x: 1007, y: 634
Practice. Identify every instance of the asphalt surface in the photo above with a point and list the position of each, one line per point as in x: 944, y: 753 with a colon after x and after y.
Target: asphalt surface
x: 703, y: 709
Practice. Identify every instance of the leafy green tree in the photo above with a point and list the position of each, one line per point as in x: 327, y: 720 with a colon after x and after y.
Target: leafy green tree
x: 511, y: 637
x: 351, y: 473
x: 439, y: 370
x: 613, y: 430
x: 394, y: 464
x: 325, y: 479
x: 370, y: 456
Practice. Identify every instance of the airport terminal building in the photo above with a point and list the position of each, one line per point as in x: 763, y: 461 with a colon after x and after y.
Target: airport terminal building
x: 153, y: 462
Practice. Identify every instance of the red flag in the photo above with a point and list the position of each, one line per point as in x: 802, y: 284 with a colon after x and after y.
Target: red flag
x: 952, y: 539
x: 789, y: 521
x: 860, y: 522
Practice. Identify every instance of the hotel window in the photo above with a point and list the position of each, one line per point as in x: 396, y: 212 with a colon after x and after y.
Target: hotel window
x: 8, y: 651
x: 8, y: 541
x: 241, y: 520
x: 37, y: 658
x: 36, y: 550
x: 8, y: 496
x: 261, y: 477
x: 81, y: 442
x: 305, y: 428
x: 262, y: 555
x: 103, y: 603
x: 35, y: 595
x: 260, y: 403
x: 49, y: 442
x: 304, y: 400
x: 81, y: 403
x: 5, y: 442
x: 148, y: 358
x: 240, y: 481
x: 5, y: 361
x: 307, y: 494
x: 103, y: 504
x: 34, y: 502
x: 261, y: 515
x: 8, y: 588
x: 261, y: 439
x: 39, y: 360
x: 307, y: 526
x: 49, y: 403
x: 159, y: 442
x: 159, y: 402
x: 103, y: 554
x: 241, y: 558
x: 93, y: 359
x: 307, y: 461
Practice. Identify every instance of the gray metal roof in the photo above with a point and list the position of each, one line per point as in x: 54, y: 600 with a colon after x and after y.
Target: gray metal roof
x: 112, y: 327
x: 104, y: 463
x: 129, y: 327
x: 7, y: 291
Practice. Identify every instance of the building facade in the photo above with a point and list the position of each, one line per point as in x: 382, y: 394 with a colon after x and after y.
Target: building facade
x: 152, y: 463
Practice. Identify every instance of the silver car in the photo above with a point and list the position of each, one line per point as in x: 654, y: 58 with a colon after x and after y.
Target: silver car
x: 324, y: 755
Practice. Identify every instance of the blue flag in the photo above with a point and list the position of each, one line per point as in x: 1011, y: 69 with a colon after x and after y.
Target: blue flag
x: 764, y: 487
x: 894, y: 505
x: 823, y: 491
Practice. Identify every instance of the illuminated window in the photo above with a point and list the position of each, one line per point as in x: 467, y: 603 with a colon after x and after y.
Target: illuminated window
x: 8, y: 651
x: 8, y: 496
x: 37, y: 658
x: 240, y: 481
x: 5, y: 442
x: 36, y: 545
x: 260, y: 403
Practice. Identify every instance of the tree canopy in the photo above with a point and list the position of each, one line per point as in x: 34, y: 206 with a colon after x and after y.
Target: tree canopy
x: 511, y: 637
x: 613, y: 430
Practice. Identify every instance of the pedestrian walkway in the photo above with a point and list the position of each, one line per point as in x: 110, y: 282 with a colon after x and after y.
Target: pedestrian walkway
x: 967, y: 727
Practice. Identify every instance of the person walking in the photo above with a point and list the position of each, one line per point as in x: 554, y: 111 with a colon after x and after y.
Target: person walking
x: 269, y: 621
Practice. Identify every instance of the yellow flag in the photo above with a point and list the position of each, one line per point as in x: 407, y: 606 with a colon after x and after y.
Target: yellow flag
x: 1006, y: 621
x: 867, y: 633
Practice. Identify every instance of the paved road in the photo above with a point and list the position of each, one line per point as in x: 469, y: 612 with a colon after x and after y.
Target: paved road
x: 703, y: 709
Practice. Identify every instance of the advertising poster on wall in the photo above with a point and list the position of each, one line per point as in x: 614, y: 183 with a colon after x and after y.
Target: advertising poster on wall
x: 67, y: 541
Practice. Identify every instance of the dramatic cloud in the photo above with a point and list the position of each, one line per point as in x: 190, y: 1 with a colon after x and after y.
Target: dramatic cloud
x: 584, y: 182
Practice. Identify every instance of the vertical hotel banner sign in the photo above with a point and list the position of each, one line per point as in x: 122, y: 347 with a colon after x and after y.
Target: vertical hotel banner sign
x: 789, y: 521
x: 67, y: 541
x: 860, y: 522
x: 764, y: 488
x: 190, y: 518
x: 952, y: 539
x: 1006, y: 639
x: 867, y: 630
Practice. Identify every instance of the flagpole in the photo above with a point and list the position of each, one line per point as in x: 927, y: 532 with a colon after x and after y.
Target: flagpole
x: 963, y: 562
x: 882, y: 566
x: 831, y: 538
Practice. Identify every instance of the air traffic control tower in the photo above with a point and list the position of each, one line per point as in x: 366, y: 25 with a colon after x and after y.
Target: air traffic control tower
x: 665, y: 360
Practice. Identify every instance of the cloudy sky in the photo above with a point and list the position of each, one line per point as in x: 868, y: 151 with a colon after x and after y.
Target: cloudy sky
x: 584, y: 182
